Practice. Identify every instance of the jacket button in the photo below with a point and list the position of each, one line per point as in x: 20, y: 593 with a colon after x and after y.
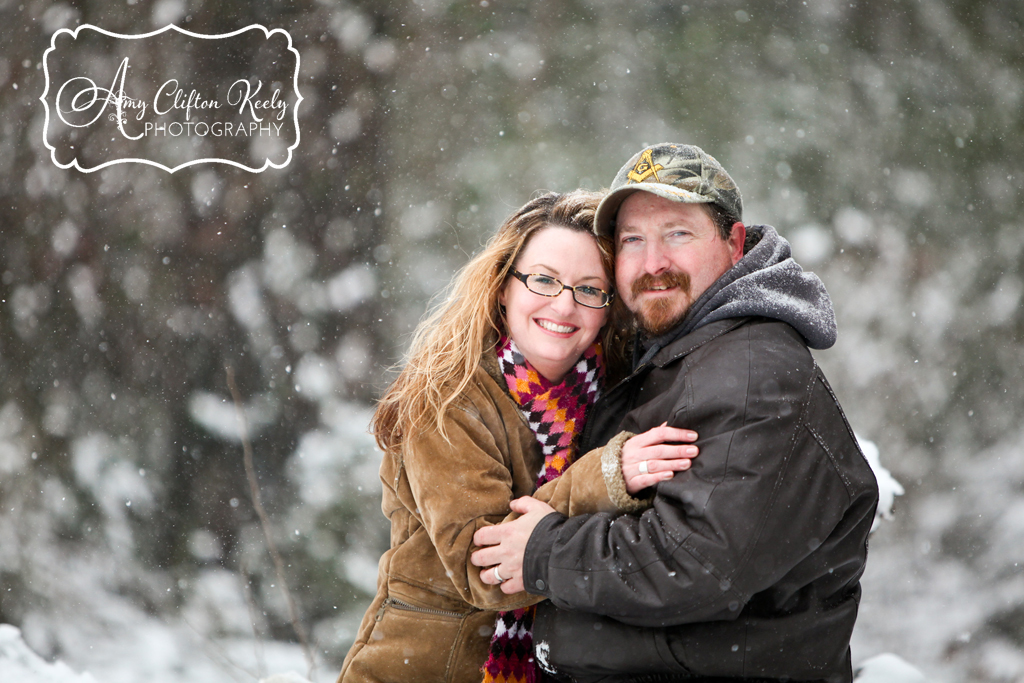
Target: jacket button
x: 540, y: 584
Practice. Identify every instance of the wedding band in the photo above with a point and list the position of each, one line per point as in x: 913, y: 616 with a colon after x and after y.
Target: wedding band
x: 643, y: 467
x: 498, y: 576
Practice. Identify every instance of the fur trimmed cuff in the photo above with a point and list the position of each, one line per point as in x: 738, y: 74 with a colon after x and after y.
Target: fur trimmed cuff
x: 611, y: 468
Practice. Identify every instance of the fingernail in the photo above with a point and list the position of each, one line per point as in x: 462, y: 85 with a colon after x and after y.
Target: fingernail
x: 691, y: 450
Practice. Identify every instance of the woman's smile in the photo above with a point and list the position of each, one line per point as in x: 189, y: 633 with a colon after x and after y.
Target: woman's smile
x: 560, y: 329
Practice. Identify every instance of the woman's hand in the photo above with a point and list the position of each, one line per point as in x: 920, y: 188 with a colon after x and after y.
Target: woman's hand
x: 656, y: 455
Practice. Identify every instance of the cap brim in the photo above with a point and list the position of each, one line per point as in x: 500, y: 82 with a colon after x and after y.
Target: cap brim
x: 604, y: 218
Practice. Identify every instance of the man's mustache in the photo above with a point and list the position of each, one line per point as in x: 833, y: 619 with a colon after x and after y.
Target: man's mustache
x: 670, y: 279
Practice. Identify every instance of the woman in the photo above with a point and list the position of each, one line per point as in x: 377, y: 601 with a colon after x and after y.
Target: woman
x: 495, y: 390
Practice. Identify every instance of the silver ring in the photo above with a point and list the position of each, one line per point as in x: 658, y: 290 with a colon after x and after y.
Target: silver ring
x: 498, y: 576
x: 643, y: 467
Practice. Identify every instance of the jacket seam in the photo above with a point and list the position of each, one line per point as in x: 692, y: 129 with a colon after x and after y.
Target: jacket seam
x: 835, y: 400
x: 449, y: 665
x: 429, y: 587
x: 661, y: 646
x: 743, y: 419
x: 687, y: 394
x: 847, y: 484
x: 433, y: 589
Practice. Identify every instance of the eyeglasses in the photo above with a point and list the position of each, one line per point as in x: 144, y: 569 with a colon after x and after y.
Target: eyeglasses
x: 545, y: 285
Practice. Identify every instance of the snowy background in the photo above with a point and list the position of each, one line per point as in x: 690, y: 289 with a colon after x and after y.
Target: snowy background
x: 882, y: 137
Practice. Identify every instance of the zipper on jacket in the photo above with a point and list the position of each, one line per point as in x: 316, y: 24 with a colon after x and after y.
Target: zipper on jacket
x: 400, y: 604
x: 588, y: 427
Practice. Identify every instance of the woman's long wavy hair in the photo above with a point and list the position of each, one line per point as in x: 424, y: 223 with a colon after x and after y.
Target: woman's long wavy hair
x: 448, y: 343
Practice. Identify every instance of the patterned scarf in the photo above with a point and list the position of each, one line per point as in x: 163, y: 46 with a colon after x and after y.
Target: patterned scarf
x: 556, y: 413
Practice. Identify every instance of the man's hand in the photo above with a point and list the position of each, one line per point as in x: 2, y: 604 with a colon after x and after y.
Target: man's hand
x: 503, y: 545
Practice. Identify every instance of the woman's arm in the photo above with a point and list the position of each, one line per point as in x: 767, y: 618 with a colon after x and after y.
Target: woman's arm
x: 607, y: 479
x: 461, y: 484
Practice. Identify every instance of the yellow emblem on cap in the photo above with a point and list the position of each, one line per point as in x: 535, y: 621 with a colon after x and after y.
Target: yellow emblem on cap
x: 645, y: 168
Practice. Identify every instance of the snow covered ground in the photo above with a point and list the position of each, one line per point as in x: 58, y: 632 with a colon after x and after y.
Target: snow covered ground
x: 158, y: 653
x: 19, y: 664
x: 110, y: 638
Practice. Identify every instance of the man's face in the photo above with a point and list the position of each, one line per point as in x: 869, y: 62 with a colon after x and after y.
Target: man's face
x: 666, y: 255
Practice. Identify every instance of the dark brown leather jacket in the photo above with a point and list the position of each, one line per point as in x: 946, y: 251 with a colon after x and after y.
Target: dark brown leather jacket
x: 747, y: 566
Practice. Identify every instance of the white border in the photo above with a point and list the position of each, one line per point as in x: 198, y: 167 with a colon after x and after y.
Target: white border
x: 214, y: 160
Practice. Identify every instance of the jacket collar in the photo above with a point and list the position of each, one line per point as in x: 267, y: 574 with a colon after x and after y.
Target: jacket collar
x: 489, y: 362
x: 683, y: 346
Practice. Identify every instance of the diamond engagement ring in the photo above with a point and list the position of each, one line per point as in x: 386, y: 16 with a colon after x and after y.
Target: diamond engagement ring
x: 643, y: 467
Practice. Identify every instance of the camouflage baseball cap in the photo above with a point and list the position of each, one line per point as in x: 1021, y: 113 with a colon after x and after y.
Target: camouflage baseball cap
x: 681, y: 173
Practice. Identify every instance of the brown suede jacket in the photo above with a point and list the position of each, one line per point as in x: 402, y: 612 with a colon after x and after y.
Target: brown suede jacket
x: 432, y: 617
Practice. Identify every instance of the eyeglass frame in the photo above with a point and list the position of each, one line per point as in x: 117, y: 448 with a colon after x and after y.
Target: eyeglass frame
x: 523, y: 277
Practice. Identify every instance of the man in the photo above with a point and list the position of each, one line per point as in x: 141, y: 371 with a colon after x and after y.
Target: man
x: 747, y: 565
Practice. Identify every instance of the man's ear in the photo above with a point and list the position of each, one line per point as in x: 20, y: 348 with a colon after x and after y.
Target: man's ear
x: 736, y: 240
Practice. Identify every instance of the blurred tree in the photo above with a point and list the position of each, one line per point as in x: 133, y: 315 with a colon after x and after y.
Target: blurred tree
x: 884, y: 139
x: 127, y: 291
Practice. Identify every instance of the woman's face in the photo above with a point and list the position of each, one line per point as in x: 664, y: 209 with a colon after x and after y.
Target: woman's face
x: 553, y: 332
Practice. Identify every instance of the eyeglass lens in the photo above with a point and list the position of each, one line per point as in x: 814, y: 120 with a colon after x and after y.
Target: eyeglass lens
x: 583, y: 294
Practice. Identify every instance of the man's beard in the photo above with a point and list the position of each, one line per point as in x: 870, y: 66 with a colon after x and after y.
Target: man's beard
x: 658, y: 316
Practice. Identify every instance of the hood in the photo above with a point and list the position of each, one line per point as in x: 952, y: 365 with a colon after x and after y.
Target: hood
x: 766, y: 282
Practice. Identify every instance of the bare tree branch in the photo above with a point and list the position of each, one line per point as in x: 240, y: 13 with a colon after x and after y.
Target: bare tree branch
x: 257, y: 503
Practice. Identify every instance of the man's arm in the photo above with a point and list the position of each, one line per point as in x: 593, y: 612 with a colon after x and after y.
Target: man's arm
x: 747, y: 512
